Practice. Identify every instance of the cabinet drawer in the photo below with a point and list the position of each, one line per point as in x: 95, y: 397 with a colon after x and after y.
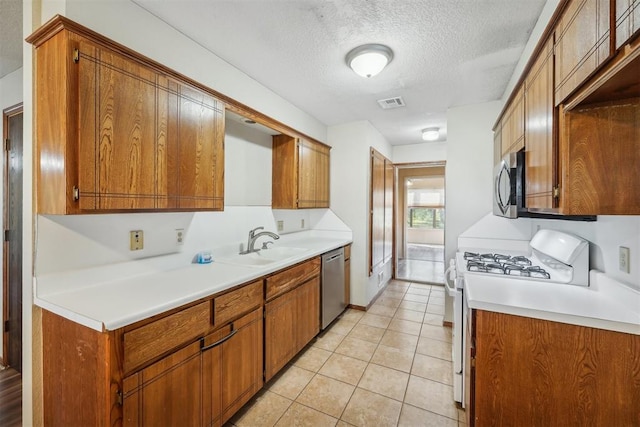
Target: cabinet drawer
x: 154, y: 339
x: 286, y: 280
x: 233, y: 304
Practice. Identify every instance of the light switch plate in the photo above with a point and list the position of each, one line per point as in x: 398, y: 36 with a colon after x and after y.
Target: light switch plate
x: 623, y: 259
x: 136, y: 238
x: 280, y: 226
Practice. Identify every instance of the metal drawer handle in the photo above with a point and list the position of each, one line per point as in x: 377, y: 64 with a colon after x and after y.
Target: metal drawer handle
x: 217, y: 343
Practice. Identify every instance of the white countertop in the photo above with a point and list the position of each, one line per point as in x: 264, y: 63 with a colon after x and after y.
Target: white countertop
x: 604, y: 304
x: 109, y: 304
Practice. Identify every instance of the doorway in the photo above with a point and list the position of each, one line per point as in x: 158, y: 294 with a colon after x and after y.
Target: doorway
x: 420, y: 223
x: 12, y: 248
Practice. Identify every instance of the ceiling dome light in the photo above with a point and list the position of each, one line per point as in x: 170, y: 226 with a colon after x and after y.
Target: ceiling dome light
x: 430, y: 134
x: 369, y: 59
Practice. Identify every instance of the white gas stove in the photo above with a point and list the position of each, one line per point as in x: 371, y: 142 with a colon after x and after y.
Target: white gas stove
x: 554, y: 257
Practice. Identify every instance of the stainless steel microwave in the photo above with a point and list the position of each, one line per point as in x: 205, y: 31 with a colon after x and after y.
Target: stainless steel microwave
x: 509, y: 191
x: 508, y: 182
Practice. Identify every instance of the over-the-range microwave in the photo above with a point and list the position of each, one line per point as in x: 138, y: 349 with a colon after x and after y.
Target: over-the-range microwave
x: 509, y: 191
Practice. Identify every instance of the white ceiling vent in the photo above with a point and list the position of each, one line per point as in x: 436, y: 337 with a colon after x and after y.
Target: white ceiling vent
x: 395, y: 102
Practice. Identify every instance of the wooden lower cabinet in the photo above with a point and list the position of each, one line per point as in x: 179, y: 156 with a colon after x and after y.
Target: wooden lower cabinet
x: 169, y: 392
x: 532, y: 372
x: 232, y: 367
x: 291, y: 321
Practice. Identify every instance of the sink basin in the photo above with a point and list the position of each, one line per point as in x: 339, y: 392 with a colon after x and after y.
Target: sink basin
x: 264, y: 257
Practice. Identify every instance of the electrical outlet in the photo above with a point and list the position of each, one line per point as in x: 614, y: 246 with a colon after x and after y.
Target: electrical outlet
x: 136, y: 240
x: 280, y: 225
x: 179, y: 236
x: 623, y: 259
x: 380, y: 277
x: 302, y: 223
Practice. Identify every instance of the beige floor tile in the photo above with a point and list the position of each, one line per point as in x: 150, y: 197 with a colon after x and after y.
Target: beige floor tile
x: 435, y: 308
x: 433, y: 319
x: 433, y: 368
x: 419, y: 290
x: 367, y: 333
x: 375, y: 320
x: 416, y: 297
x: 432, y: 396
x: 328, y: 340
x: 434, y: 299
x: 301, y: 416
x: 382, y: 310
x: 357, y: 348
x: 394, y: 293
x: 265, y: 410
x: 326, y: 395
x: 415, y: 306
x: 370, y: 409
x: 342, y: 424
x: 312, y: 359
x: 291, y: 382
x: 393, y: 358
x: 342, y: 326
x: 343, y: 368
x: 389, y: 301
x: 414, y: 316
x: 406, y: 326
x: 385, y: 381
x: 400, y: 284
x: 435, y: 348
x: 399, y: 340
x: 441, y: 333
x: 413, y: 417
x: 352, y: 315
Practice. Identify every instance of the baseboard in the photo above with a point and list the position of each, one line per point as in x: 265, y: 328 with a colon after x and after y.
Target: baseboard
x: 447, y: 323
x: 357, y: 307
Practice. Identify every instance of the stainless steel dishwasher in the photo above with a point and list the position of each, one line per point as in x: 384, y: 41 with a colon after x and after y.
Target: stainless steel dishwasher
x: 333, y: 301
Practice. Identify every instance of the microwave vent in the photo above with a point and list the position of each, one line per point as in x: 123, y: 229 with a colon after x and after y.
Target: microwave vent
x: 389, y: 103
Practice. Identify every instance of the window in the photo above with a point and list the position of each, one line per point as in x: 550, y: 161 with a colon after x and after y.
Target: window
x: 425, y: 203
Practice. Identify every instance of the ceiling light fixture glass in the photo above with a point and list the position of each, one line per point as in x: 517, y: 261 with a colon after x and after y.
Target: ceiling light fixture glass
x: 430, y: 134
x: 369, y: 59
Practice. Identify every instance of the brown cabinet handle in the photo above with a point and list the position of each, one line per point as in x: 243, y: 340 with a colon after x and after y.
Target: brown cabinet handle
x: 217, y: 343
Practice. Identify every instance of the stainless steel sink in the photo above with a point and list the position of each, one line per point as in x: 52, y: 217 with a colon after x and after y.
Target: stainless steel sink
x: 264, y: 257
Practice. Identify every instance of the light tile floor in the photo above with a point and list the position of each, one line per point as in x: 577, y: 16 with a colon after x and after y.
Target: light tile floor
x: 390, y: 366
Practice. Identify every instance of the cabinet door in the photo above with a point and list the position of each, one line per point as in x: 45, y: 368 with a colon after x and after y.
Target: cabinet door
x: 377, y: 223
x: 307, y: 312
x: 497, y: 143
x: 307, y: 163
x: 322, y: 176
x: 241, y: 364
x: 513, y: 124
x: 582, y: 44
x: 627, y: 20
x: 167, y: 393
x: 117, y: 133
x: 280, y: 333
x: 196, y: 125
x: 469, y: 368
x: 540, y: 168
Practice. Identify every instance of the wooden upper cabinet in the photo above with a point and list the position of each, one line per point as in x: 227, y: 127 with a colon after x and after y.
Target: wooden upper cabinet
x: 627, y: 20
x: 512, y: 138
x: 497, y: 143
x: 117, y: 132
x: 300, y: 175
x: 582, y: 44
x: 540, y: 168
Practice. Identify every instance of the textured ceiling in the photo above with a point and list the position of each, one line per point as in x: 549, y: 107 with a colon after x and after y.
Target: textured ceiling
x: 447, y: 52
x: 10, y: 36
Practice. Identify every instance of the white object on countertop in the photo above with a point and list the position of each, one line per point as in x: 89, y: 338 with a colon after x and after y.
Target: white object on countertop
x: 562, y: 246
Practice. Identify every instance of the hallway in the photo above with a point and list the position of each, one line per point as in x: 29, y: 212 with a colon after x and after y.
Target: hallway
x: 424, y: 263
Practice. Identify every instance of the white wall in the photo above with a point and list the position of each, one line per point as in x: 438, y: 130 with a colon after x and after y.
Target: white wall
x: 468, y: 178
x: 417, y: 153
x: 248, y: 182
x: 350, y: 182
x: 10, y: 95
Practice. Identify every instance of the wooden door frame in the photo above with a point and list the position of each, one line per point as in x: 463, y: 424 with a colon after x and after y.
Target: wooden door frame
x: 7, y: 113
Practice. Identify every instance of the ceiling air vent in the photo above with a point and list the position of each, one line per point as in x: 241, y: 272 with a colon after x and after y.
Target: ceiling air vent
x: 387, y: 104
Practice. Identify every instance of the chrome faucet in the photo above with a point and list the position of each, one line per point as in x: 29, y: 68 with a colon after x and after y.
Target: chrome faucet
x: 253, y: 236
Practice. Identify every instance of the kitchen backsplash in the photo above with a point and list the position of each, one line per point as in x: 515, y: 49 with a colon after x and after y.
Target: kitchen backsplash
x: 73, y: 242
x: 606, y: 235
